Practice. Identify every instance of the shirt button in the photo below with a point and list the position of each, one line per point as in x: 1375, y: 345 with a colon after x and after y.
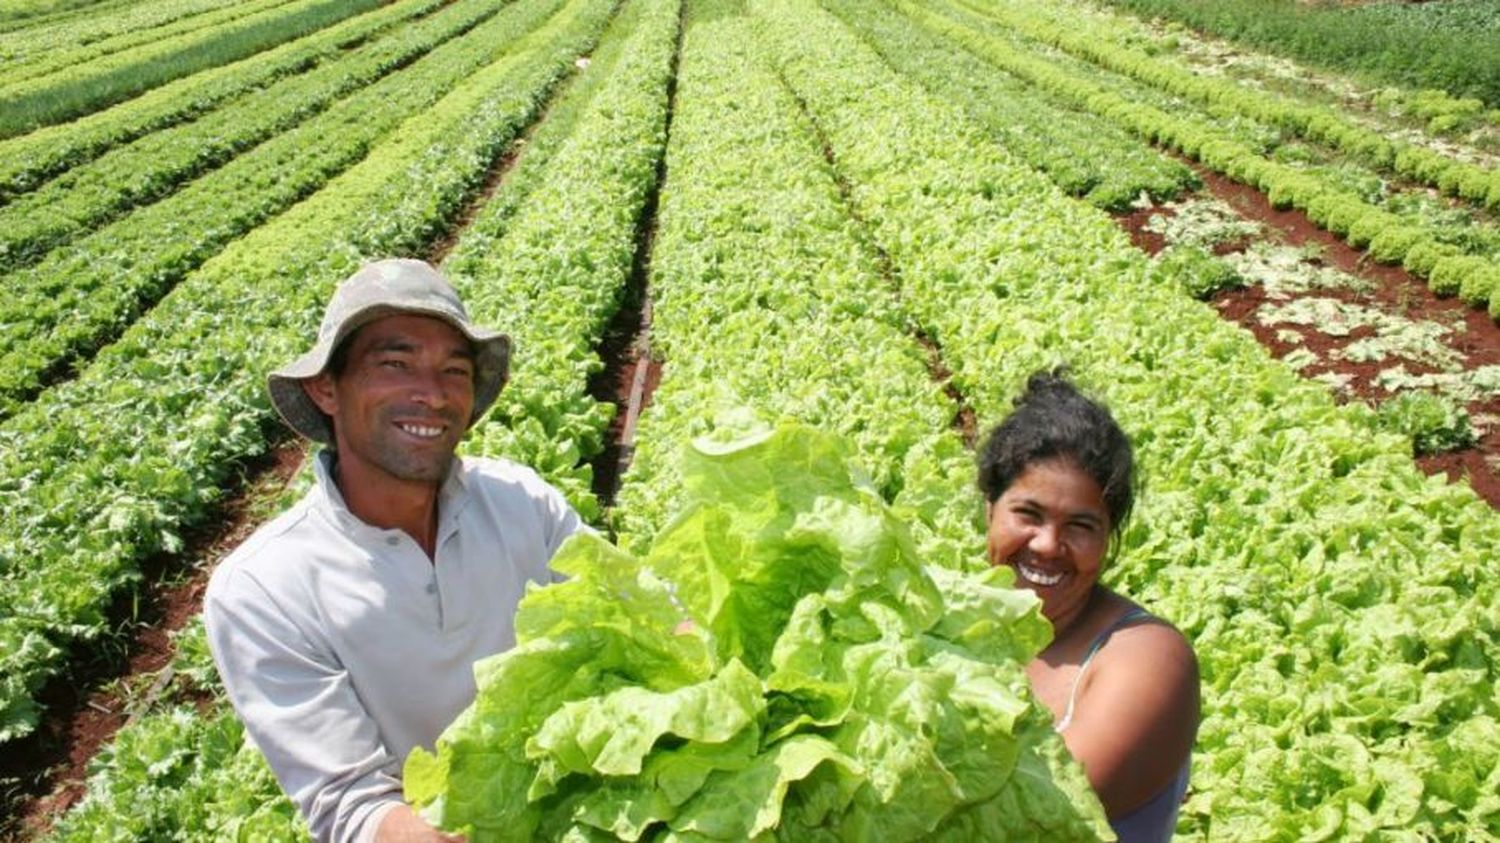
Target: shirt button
x: 392, y: 540
x: 432, y: 588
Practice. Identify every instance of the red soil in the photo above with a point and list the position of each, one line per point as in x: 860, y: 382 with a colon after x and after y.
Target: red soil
x: 1395, y: 291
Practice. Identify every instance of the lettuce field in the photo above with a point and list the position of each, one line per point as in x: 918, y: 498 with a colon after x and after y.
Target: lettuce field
x: 866, y: 220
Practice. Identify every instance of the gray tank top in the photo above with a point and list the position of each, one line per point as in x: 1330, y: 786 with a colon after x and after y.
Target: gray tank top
x: 1154, y: 821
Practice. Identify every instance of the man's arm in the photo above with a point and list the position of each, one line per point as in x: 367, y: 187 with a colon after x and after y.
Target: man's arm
x: 301, y: 710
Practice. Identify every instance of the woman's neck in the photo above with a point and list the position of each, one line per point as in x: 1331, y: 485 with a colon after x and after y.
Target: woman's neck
x: 1073, y: 619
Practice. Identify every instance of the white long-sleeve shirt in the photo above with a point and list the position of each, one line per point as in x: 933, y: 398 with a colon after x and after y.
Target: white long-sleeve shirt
x: 343, y: 647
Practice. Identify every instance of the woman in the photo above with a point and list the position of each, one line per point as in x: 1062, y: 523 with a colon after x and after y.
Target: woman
x: 1058, y: 481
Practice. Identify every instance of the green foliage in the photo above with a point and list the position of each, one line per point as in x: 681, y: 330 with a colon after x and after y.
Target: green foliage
x: 1106, y: 43
x: 100, y: 19
x: 982, y: 28
x: 47, y: 100
x: 1463, y: 275
x: 19, y: 10
x: 828, y: 685
x: 159, y: 163
x: 154, y: 426
x: 1403, y: 47
x: 48, y: 55
x: 587, y: 191
x: 1434, y: 423
x: 177, y: 775
x: 1198, y: 271
x: 79, y: 298
x: 1087, y: 156
x: 26, y: 161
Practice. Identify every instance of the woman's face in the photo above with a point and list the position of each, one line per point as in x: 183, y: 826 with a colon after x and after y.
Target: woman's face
x: 1052, y: 527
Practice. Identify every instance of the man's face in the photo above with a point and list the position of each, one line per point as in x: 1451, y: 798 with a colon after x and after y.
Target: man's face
x: 403, y: 400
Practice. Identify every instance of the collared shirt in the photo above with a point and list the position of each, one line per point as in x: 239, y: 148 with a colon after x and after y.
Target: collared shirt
x: 343, y: 647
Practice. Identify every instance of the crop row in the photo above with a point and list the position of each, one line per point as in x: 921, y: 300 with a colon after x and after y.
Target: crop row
x: 21, y: 13
x: 767, y: 304
x: 555, y: 272
x: 1410, y: 51
x: 107, y: 469
x: 1390, y: 238
x: 58, y: 54
x: 195, y: 777
x: 29, y: 160
x: 108, y: 80
x: 1084, y: 154
x: 157, y: 164
x: 1095, y: 40
x: 103, y: 19
x: 80, y: 297
x: 1284, y: 534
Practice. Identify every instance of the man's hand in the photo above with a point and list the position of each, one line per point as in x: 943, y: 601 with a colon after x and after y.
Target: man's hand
x: 402, y: 825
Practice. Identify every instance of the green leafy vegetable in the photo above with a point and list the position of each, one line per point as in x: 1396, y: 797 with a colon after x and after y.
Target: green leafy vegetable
x: 778, y: 665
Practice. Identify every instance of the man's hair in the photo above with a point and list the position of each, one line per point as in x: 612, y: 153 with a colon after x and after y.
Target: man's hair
x: 1052, y: 420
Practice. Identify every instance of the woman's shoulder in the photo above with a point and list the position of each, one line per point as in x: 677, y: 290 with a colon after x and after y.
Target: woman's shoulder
x: 1139, y: 641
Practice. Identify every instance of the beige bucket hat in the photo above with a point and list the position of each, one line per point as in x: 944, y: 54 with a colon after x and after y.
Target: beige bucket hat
x: 380, y: 289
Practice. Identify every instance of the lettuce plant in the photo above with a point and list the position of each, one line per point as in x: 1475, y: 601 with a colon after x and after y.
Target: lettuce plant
x: 778, y: 665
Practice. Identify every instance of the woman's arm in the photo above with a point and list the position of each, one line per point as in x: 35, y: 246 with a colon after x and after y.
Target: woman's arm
x: 1136, y: 715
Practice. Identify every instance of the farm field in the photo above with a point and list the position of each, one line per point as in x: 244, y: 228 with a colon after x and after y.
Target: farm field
x: 875, y: 217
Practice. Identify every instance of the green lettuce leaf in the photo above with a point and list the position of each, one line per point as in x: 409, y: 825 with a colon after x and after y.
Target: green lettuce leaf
x: 829, y: 686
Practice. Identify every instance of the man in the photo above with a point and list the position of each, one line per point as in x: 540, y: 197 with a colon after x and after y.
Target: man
x: 345, y: 629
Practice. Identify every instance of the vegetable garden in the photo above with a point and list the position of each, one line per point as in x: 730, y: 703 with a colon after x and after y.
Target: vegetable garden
x: 718, y: 217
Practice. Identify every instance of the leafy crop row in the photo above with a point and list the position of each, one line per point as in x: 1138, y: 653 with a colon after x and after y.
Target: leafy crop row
x: 1287, y: 536
x: 27, y: 161
x: 765, y: 297
x: 80, y: 297
x: 1399, y: 49
x: 1390, y: 238
x: 1086, y: 155
x: 555, y: 272
x: 107, y: 469
x: 182, y: 771
x: 157, y: 164
x: 105, y: 19
x: 19, y: 13
x: 54, y: 55
x: 51, y: 99
x: 1092, y: 40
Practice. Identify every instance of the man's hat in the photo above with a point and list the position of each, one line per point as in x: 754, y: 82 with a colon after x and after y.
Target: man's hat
x: 386, y: 288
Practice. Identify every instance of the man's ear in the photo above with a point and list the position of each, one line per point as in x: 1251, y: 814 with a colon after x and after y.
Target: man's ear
x: 320, y: 389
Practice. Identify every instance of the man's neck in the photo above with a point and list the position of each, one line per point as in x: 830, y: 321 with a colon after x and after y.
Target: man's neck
x: 391, y: 503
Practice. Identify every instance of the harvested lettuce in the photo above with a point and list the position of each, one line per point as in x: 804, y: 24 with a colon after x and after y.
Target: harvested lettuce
x: 828, y: 686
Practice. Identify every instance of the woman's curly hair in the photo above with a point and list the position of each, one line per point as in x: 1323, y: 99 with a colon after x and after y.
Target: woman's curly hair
x: 1053, y: 420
